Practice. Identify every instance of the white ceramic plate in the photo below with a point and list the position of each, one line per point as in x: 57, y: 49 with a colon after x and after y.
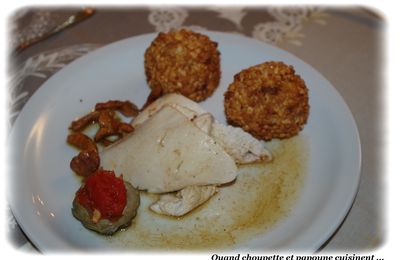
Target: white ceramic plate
x: 43, y: 188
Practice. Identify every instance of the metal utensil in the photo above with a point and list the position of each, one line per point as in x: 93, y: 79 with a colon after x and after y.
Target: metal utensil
x: 73, y: 19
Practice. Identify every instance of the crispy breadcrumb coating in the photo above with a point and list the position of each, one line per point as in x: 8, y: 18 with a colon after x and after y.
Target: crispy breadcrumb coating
x: 183, y: 61
x: 268, y: 100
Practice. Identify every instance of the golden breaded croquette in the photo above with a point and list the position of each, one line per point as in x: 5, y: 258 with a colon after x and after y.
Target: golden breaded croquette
x: 268, y: 100
x: 185, y: 62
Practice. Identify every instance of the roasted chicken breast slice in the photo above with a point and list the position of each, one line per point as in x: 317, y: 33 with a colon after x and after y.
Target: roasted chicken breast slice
x: 184, y: 105
x: 168, y: 152
x: 237, y: 143
x: 242, y: 146
x: 180, y: 203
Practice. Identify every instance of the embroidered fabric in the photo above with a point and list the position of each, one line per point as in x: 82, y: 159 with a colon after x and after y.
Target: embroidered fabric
x: 287, y: 22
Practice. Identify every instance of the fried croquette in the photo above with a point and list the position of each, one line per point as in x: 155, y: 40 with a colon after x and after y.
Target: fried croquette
x: 182, y: 61
x: 268, y: 100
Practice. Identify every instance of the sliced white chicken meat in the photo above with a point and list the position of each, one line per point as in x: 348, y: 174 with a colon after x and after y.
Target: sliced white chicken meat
x: 239, y: 144
x: 184, y: 105
x: 242, y: 146
x: 180, y: 203
x: 204, y: 122
x: 167, y: 152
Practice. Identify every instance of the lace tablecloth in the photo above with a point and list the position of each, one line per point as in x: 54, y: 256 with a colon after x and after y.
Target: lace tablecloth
x: 343, y: 44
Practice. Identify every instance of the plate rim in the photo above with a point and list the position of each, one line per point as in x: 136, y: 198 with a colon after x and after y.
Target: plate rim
x: 317, y: 245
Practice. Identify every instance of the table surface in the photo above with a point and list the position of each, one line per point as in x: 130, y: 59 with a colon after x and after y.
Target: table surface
x: 345, y: 45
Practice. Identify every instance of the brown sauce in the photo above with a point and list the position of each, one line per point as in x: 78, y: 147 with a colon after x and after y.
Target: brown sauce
x: 262, y: 195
